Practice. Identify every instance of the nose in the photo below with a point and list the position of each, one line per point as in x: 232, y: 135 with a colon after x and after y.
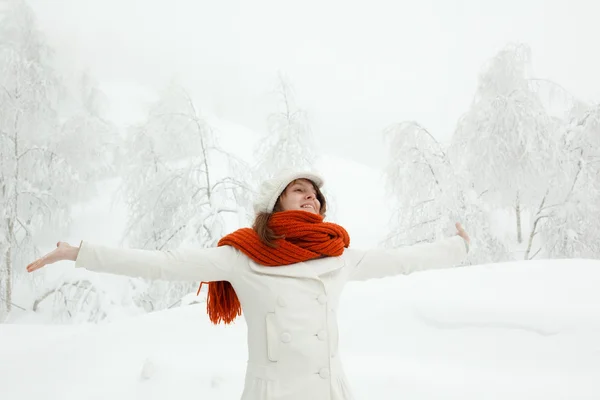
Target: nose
x: 310, y: 196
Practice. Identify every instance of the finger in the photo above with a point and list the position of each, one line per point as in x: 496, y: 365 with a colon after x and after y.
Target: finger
x: 30, y: 266
x: 35, y: 266
x: 459, y: 227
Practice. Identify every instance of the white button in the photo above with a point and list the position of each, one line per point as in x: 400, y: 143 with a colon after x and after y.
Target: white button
x: 281, y: 301
x: 322, y: 299
x: 286, y: 337
x: 324, y: 373
x: 322, y: 335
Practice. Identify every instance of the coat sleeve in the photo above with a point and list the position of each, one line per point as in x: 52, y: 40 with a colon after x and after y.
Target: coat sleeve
x: 203, y: 264
x: 379, y: 263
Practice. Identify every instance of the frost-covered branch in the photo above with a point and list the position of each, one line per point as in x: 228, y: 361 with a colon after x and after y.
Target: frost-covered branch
x: 175, y: 186
x: 53, y: 154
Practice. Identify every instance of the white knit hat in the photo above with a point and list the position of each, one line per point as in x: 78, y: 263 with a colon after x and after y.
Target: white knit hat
x: 271, y: 189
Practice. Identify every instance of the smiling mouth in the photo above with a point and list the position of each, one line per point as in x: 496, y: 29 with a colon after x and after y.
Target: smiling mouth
x: 308, y: 206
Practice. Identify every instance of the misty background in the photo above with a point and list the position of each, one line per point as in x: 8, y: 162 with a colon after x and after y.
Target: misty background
x: 356, y: 66
x: 150, y: 125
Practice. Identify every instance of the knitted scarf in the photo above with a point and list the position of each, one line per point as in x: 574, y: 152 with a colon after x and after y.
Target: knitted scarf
x: 304, y: 236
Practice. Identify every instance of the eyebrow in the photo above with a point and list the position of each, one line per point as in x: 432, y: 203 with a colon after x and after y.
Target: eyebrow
x: 304, y: 184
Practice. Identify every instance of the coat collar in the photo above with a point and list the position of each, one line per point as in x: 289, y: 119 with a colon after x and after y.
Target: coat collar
x: 312, y: 269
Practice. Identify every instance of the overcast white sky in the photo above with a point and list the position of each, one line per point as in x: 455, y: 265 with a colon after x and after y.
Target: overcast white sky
x: 357, y: 66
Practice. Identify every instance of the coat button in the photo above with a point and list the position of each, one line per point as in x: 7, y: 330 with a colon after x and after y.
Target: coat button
x: 322, y: 299
x: 286, y: 337
x: 322, y: 335
x: 324, y: 373
x: 281, y: 301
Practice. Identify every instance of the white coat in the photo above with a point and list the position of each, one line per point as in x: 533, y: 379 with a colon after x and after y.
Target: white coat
x: 291, y: 311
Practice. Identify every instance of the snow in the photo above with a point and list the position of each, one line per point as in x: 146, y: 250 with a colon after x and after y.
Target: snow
x: 519, y: 330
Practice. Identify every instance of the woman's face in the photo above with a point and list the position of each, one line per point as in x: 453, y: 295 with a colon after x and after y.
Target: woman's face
x: 300, y: 195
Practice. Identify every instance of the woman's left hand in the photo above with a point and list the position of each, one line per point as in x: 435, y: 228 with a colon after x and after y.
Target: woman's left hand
x: 462, y: 233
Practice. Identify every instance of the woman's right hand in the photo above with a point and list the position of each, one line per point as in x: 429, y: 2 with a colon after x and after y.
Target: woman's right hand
x: 63, y: 251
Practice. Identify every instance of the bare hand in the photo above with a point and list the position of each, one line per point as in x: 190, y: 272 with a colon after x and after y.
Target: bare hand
x: 462, y: 233
x: 63, y: 251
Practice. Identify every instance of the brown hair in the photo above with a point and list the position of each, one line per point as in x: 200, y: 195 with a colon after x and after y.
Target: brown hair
x: 261, y: 222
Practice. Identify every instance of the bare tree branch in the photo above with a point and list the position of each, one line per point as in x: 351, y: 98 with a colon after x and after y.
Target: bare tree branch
x: 533, y: 229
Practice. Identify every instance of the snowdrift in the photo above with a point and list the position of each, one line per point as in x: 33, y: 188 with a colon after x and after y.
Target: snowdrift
x: 520, y: 330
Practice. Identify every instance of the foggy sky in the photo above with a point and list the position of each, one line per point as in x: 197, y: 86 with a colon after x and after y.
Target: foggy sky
x: 356, y: 66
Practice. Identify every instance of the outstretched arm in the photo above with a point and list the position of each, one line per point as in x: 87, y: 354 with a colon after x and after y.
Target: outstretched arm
x: 379, y: 263
x: 203, y: 264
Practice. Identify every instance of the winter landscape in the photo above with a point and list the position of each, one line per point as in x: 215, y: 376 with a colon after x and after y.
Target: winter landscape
x: 150, y: 125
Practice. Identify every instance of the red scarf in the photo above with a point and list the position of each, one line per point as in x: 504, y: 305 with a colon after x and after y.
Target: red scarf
x: 305, y: 237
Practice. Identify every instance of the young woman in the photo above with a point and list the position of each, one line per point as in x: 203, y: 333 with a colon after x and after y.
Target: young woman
x: 286, y: 273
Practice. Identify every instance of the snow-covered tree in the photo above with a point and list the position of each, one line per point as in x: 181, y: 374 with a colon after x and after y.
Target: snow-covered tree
x: 428, y: 196
x: 289, y: 142
x: 92, y: 141
x: 571, y: 226
x: 508, y: 137
x: 420, y: 179
x: 47, y: 159
x: 33, y: 171
x: 180, y: 187
x: 513, y: 152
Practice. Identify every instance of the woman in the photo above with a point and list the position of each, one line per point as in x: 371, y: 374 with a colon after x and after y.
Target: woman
x: 287, y: 273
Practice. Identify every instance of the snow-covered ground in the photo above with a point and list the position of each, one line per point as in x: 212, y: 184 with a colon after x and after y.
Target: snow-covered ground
x: 523, y: 330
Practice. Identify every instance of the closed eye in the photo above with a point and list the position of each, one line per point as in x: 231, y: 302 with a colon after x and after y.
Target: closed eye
x: 300, y: 189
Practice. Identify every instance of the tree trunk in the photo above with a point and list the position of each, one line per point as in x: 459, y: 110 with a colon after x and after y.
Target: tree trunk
x: 12, y: 216
x: 9, y: 279
x: 6, y: 281
x: 518, y: 211
x: 533, y: 232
